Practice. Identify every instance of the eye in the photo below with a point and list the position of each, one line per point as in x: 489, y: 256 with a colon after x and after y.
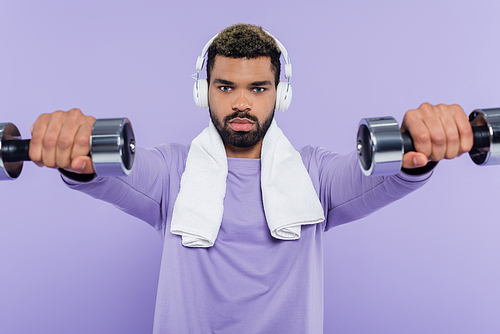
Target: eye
x: 259, y: 89
x: 225, y: 88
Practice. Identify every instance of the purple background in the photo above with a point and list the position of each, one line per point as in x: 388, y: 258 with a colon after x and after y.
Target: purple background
x: 429, y: 263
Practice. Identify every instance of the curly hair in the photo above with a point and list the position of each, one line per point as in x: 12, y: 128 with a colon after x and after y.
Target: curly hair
x: 245, y: 41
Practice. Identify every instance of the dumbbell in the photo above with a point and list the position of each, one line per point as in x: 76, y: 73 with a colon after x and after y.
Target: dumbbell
x: 112, y: 148
x: 381, y: 145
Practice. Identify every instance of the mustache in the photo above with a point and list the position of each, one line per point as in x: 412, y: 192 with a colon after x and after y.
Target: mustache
x: 240, y: 114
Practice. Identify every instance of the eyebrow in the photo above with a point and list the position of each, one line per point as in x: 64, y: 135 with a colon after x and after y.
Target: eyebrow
x: 230, y: 83
x: 224, y: 82
x: 261, y: 83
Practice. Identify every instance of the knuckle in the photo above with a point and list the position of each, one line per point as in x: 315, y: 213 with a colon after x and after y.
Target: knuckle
x: 90, y: 119
x: 49, y: 142
x: 35, y: 156
x: 63, y: 162
x: 82, y: 142
x: 464, y: 148
x: 75, y: 111
x: 43, y: 118
x: 423, y: 137
x: 426, y: 106
x: 467, y: 131
x: 410, y: 116
x: 453, y: 137
x: 64, y: 143
x: 58, y: 113
x: 36, y: 141
x: 439, y: 139
x: 452, y: 152
x: 410, y: 113
x: 48, y: 162
x: 442, y: 108
x: 457, y: 108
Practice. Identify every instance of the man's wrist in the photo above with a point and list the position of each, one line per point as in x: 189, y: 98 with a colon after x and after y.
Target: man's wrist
x: 421, y: 170
x: 77, y: 177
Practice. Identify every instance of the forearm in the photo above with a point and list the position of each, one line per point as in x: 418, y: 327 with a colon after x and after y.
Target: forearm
x: 358, y: 195
x: 139, y: 194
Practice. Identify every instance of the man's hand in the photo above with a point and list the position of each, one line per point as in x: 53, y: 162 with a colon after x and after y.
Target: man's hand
x: 438, y: 132
x: 62, y: 140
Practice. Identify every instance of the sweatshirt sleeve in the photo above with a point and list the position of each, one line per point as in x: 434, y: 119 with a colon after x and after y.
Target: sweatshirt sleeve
x: 346, y: 193
x: 145, y: 192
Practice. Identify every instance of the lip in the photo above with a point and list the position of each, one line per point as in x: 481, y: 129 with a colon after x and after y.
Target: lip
x: 241, y: 121
x: 241, y: 124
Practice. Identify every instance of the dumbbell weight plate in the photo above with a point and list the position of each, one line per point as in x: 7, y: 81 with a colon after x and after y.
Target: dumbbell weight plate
x: 380, y: 146
x: 112, y: 147
x: 491, y: 118
x: 9, y: 170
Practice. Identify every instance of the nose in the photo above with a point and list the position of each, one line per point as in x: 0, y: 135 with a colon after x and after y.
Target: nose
x: 242, y: 101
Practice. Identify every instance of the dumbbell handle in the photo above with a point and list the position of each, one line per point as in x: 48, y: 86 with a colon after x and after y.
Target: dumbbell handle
x: 15, y: 150
x: 480, y: 134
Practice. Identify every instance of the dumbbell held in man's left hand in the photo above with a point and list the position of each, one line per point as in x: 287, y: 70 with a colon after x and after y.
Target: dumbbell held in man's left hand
x: 112, y: 148
x: 381, y: 145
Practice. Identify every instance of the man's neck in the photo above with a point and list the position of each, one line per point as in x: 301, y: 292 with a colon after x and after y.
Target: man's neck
x: 247, y: 153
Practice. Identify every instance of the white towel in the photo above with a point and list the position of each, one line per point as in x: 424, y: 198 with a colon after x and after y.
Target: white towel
x: 288, y: 194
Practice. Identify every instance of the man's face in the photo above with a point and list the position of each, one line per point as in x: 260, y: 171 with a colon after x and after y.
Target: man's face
x: 242, y: 96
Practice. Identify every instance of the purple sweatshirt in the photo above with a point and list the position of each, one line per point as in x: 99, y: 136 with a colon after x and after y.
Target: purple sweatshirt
x: 248, y: 282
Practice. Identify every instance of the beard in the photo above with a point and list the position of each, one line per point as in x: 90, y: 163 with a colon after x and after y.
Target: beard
x: 241, y: 139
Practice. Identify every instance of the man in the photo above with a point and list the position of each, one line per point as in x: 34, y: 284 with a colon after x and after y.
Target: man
x: 226, y: 266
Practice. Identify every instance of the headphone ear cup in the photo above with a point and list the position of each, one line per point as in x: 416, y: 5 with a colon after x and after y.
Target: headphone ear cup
x: 200, y: 93
x: 283, y: 96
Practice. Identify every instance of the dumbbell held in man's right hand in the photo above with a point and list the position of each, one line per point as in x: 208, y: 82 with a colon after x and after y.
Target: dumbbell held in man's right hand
x: 112, y: 148
x: 381, y: 145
